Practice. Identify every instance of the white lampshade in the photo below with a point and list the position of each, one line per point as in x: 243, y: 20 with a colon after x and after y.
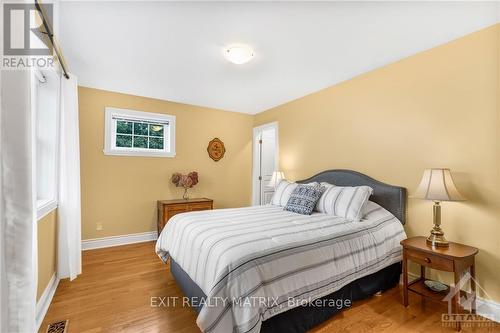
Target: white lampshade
x: 437, y: 185
x: 276, y: 178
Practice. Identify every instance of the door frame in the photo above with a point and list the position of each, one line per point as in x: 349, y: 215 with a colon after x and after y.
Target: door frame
x: 255, y: 157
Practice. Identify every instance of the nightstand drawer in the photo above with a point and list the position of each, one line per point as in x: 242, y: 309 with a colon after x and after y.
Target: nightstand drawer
x: 430, y: 260
x: 176, y: 209
x: 172, y: 212
x: 200, y: 206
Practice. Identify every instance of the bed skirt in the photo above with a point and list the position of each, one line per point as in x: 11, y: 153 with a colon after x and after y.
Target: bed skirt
x: 305, y: 317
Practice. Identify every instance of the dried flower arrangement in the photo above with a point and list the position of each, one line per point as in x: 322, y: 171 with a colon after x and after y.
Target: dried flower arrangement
x: 185, y: 181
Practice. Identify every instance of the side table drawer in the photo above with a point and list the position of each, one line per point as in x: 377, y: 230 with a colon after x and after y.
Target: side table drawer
x: 200, y: 206
x: 430, y: 260
x: 175, y: 209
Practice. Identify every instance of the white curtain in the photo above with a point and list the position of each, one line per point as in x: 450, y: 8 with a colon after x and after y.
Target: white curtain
x: 18, y: 238
x: 69, y: 212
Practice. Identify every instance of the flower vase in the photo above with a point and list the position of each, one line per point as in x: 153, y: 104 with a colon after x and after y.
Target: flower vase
x: 185, y: 196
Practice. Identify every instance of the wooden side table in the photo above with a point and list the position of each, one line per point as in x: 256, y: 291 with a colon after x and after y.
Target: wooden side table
x: 456, y: 258
x: 169, y: 208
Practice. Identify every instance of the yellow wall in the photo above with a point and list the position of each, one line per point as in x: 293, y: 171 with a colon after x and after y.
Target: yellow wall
x: 47, y: 251
x: 439, y: 108
x: 120, y: 192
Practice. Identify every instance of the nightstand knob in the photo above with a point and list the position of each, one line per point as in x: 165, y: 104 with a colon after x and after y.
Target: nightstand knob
x: 427, y: 260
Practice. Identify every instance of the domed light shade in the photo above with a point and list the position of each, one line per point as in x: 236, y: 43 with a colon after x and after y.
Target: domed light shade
x: 238, y: 54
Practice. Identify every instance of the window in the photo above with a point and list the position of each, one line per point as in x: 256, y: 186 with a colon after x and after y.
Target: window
x: 45, y: 97
x: 135, y: 133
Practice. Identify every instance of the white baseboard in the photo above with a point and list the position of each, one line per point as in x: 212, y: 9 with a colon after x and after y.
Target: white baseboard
x: 99, y: 243
x: 485, y: 307
x: 42, y: 306
x: 488, y: 308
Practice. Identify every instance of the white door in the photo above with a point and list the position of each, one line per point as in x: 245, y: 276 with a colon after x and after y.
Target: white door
x: 265, y: 162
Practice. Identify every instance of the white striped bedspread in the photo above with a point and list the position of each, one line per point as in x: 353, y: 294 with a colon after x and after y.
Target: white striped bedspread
x: 256, y: 262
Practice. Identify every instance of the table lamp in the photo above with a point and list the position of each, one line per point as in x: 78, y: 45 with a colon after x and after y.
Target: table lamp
x: 437, y: 185
x: 276, y: 178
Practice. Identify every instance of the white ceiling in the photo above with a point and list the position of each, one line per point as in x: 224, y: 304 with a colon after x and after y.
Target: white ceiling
x: 173, y: 51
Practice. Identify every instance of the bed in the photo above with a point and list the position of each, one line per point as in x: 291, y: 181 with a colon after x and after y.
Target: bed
x: 263, y: 269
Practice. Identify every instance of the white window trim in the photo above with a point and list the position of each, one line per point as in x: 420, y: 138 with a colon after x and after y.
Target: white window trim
x: 44, y: 206
x: 110, y: 132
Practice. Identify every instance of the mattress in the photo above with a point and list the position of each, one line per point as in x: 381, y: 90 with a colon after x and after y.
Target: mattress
x: 256, y: 262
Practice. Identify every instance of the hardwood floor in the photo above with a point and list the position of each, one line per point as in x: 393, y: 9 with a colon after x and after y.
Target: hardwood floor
x: 114, y: 295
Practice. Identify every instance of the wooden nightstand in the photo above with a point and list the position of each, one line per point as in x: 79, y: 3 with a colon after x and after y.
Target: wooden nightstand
x: 456, y: 258
x: 168, y: 208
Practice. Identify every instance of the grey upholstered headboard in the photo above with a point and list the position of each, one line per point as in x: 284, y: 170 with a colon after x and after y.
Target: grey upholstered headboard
x: 392, y: 198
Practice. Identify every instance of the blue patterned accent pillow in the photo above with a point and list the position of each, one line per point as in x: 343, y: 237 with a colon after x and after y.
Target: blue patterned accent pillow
x: 304, y: 198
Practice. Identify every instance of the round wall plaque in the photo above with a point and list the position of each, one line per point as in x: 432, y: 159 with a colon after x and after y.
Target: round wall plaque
x: 216, y: 149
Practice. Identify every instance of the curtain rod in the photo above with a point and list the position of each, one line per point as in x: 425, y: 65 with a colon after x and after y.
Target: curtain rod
x: 50, y: 34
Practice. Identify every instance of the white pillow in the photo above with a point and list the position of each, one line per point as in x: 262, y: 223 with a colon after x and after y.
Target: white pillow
x: 344, y: 201
x: 284, y: 191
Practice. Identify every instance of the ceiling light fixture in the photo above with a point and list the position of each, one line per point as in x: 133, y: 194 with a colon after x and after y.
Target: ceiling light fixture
x: 238, y: 54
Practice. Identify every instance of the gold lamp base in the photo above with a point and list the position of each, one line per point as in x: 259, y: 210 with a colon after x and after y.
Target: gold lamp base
x: 436, y: 237
x: 437, y: 240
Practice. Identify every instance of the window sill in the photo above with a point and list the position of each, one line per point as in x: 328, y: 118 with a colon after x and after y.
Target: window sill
x: 44, y: 207
x: 138, y: 153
